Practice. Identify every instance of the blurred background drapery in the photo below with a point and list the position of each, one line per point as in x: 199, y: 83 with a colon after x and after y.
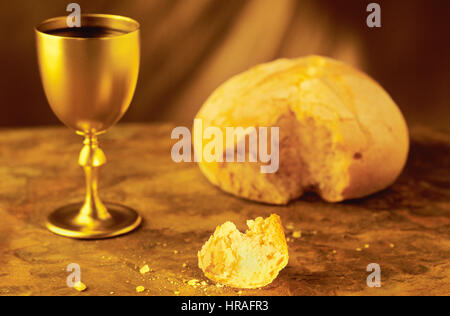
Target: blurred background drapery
x: 189, y: 47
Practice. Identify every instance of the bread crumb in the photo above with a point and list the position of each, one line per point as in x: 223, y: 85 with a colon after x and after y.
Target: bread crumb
x: 145, y: 269
x: 297, y: 234
x: 203, y: 283
x: 112, y: 293
x: 240, y: 293
x: 193, y: 282
x: 175, y: 251
x: 290, y: 226
x: 358, y: 249
x: 184, y: 265
x: 176, y: 292
x: 392, y: 245
x: 334, y: 252
x: 367, y: 246
x: 80, y: 286
x: 140, y: 289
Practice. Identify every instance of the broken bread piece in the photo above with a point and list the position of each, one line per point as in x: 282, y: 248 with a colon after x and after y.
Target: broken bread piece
x: 247, y: 261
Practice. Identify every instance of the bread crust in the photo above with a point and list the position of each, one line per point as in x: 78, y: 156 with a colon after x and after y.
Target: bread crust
x: 368, y: 128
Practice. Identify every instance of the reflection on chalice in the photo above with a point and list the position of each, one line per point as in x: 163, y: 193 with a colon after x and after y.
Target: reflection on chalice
x: 89, y: 76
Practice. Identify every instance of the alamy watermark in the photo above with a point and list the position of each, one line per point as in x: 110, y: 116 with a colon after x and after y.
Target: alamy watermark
x: 209, y: 145
x: 374, y: 18
x: 374, y: 279
x: 74, y: 18
x: 74, y: 277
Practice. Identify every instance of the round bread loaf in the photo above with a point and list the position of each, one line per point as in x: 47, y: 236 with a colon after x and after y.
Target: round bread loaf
x: 340, y: 134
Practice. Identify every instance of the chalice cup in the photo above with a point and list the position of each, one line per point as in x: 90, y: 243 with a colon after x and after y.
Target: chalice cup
x: 89, y: 74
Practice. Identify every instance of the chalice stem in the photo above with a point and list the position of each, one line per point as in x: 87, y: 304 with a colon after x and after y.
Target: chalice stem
x: 93, y: 212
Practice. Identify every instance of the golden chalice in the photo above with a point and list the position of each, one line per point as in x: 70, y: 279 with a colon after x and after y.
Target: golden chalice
x: 89, y: 74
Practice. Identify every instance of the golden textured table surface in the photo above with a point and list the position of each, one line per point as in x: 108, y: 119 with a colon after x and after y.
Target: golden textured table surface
x: 406, y: 228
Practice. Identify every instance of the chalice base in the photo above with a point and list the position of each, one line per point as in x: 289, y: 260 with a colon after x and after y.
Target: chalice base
x: 122, y: 221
